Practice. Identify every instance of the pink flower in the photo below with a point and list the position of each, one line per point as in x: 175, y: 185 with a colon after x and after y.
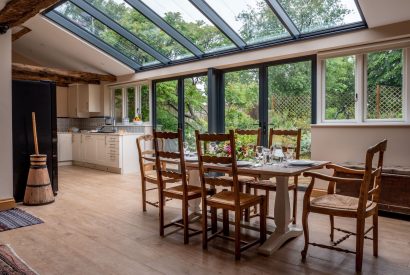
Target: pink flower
x: 227, y: 148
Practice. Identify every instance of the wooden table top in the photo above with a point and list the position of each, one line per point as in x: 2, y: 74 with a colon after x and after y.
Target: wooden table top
x: 264, y: 170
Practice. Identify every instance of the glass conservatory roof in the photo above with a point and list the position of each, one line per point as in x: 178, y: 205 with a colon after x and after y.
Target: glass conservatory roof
x: 147, y: 34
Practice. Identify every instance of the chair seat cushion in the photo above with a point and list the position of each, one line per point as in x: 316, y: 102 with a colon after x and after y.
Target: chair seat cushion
x: 270, y: 184
x: 178, y: 190
x: 335, y: 201
x: 228, y: 198
x: 241, y: 179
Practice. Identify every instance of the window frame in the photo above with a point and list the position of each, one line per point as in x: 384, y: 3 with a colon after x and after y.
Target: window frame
x: 137, y: 86
x: 361, y: 86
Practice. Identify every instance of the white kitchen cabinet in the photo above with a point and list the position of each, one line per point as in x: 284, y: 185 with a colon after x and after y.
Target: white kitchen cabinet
x: 77, y: 147
x: 62, y: 101
x: 101, y: 144
x: 64, y: 148
x: 89, y: 98
x: 90, y: 149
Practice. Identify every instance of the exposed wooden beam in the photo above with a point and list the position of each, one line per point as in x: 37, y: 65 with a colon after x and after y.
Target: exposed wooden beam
x: 16, y: 12
x: 63, y: 77
x: 20, y: 33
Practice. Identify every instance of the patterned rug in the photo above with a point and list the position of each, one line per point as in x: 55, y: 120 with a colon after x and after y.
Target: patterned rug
x: 11, y: 264
x: 15, y: 218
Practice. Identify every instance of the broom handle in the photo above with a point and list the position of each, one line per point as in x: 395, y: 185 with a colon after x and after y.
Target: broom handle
x: 33, y: 118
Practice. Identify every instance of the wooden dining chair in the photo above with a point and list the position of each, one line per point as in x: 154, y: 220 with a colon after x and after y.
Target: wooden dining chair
x: 147, y: 170
x: 233, y: 200
x: 182, y: 191
x: 270, y: 185
x: 359, y: 208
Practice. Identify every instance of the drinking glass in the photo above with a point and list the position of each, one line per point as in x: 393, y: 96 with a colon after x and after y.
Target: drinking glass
x: 278, y: 153
x: 259, y: 154
x: 266, y: 156
x: 186, y: 148
x: 290, y: 152
x: 212, y: 147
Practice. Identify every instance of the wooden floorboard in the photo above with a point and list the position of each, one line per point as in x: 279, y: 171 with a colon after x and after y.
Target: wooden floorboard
x: 96, y: 226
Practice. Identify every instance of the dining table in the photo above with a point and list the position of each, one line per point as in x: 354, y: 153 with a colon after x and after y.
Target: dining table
x: 284, y: 230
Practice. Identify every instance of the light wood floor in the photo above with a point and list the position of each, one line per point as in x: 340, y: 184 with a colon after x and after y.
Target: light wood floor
x: 96, y: 226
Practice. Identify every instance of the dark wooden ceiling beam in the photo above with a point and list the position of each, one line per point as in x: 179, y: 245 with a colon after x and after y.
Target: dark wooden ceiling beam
x: 20, y: 33
x: 16, y: 12
x: 29, y: 72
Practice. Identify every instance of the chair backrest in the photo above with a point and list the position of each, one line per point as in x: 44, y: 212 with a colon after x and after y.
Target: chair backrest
x: 370, y: 187
x: 162, y: 156
x: 141, y: 143
x: 209, y: 162
x: 296, y: 135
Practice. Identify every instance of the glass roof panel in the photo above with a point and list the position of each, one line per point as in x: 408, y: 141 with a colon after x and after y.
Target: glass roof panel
x: 132, y: 20
x: 310, y: 16
x: 253, y: 20
x: 190, y: 22
x: 98, y: 29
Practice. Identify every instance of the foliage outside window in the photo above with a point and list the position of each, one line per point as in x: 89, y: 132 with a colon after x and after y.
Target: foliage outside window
x: 340, y: 94
x: 131, y: 102
x: 385, y: 85
x: 290, y: 99
x: 196, y: 107
x: 167, y: 105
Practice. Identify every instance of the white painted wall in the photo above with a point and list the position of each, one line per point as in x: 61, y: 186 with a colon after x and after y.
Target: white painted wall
x: 349, y: 143
x: 6, y: 154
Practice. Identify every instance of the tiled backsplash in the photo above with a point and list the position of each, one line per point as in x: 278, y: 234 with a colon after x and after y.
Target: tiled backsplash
x: 65, y: 124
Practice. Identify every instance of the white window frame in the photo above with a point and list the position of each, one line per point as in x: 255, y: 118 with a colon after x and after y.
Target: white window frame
x: 137, y: 86
x: 361, y: 88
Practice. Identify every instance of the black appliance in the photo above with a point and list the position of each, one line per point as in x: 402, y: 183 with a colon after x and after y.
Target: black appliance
x: 39, y: 97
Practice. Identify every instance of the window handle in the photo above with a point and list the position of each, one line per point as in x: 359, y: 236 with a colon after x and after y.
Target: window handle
x: 356, y: 97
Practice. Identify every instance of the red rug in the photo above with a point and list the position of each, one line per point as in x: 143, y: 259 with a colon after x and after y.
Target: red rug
x: 11, y: 264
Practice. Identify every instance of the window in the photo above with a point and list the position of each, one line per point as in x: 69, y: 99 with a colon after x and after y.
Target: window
x: 340, y: 94
x: 167, y: 105
x: 196, y: 107
x: 242, y: 99
x: 366, y: 88
x: 384, y: 91
x: 130, y: 102
x: 290, y: 99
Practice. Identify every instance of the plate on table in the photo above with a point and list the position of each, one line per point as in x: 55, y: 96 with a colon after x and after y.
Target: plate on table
x: 301, y: 162
x: 242, y: 163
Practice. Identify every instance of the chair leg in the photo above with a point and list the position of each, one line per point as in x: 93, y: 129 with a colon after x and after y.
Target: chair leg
x: 225, y: 221
x: 375, y: 234
x: 359, y: 243
x: 267, y: 202
x: 262, y: 220
x: 295, y: 203
x: 255, y: 208
x: 144, y: 195
x: 332, y: 228
x: 204, y: 225
x: 237, y: 235
x: 185, y: 220
x: 214, y: 220
x: 247, y: 210
x: 305, y: 233
x: 161, y: 212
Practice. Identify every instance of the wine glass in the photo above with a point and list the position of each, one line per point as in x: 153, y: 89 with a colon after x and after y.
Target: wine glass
x: 266, y: 156
x: 259, y: 154
x: 186, y: 148
x: 290, y: 152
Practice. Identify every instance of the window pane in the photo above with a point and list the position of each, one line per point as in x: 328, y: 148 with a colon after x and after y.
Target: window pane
x: 125, y: 15
x: 189, y: 21
x: 145, y: 103
x: 242, y: 99
x: 340, y: 88
x: 290, y: 99
x: 196, y: 107
x: 253, y: 20
x: 101, y: 31
x: 167, y: 105
x: 384, y: 85
x: 118, y: 106
x: 312, y: 16
x: 131, y: 103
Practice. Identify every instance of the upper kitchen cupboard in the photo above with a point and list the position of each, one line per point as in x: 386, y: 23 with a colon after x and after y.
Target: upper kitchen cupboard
x: 62, y: 101
x: 83, y: 99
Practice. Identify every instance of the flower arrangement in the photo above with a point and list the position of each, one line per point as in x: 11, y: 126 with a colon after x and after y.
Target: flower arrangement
x: 243, y: 152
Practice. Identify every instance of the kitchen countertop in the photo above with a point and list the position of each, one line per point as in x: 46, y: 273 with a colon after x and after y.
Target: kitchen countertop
x: 111, y: 134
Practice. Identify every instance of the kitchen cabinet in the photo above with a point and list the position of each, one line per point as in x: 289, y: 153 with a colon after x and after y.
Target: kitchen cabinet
x: 108, y: 152
x: 62, y: 101
x: 89, y: 98
x: 77, y: 147
x: 65, y: 148
x: 83, y: 99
